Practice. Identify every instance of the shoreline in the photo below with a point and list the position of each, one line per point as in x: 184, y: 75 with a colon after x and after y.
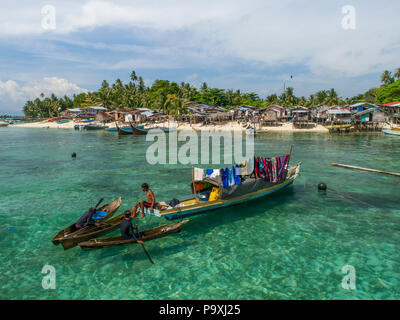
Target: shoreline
x: 231, y: 126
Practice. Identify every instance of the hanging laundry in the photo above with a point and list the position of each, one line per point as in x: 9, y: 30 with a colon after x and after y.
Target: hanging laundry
x: 281, y: 173
x: 231, y: 176
x: 236, y: 176
x: 261, y: 170
x: 268, y: 169
x: 198, y: 174
x: 225, y: 177
x: 212, y: 173
x: 265, y: 170
x: 256, y: 167
x: 274, y: 176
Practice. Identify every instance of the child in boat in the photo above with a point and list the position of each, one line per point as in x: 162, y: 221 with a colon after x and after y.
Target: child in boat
x: 127, y: 228
x: 86, y: 219
x: 149, y: 203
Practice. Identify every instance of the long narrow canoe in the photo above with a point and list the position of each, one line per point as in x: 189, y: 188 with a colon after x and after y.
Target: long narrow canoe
x: 138, y: 131
x: 123, y: 131
x: 141, y: 131
x: 395, y: 132
x: 125, y: 128
x: 146, y: 235
x: 191, y: 206
x: 68, y: 235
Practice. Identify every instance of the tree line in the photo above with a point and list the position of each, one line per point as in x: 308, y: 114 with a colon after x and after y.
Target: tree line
x: 170, y: 97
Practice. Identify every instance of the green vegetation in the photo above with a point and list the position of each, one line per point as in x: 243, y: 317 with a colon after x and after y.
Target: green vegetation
x: 170, y: 97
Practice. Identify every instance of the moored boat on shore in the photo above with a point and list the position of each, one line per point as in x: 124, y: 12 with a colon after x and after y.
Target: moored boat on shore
x: 392, y: 131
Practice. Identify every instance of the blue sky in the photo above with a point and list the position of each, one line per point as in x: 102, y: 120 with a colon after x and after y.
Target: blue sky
x: 248, y: 45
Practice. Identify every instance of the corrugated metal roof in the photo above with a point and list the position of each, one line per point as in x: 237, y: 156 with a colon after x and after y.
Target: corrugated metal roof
x: 339, y: 111
x: 95, y: 107
x: 392, y: 104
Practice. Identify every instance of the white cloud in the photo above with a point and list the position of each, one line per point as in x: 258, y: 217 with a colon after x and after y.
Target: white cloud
x: 13, y: 95
x: 214, y: 35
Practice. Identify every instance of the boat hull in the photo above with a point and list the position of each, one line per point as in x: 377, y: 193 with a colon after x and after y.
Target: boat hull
x: 146, y: 235
x: 391, y: 132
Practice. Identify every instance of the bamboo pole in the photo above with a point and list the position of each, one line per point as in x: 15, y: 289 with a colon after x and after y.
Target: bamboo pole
x: 194, y: 186
x: 365, y: 169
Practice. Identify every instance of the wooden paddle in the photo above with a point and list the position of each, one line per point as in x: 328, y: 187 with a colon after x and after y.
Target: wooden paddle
x: 137, y: 230
x: 84, y: 228
x: 98, y: 203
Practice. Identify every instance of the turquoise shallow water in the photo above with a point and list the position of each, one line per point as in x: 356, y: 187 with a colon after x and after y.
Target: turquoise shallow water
x: 291, y: 245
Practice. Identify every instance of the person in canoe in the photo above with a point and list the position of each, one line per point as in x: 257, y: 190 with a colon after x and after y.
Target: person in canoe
x: 127, y: 228
x: 149, y: 203
x: 86, y: 219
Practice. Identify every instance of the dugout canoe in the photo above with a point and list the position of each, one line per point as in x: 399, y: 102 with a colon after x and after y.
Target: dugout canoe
x: 68, y: 235
x: 146, y: 235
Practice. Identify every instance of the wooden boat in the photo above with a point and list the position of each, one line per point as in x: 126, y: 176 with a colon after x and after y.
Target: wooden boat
x: 123, y: 131
x: 94, y: 127
x: 338, y: 126
x: 192, y: 205
x: 146, y: 235
x: 70, y: 236
x: 142, y: 131
x: 394, y: 131
x: 125, y: 128
x: 250, y: 131
x: 3, y: 124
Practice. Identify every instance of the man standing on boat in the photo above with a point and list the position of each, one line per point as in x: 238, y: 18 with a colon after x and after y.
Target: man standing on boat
x: 127, y: 228
x: 149, y: 203
x: 86, y: 219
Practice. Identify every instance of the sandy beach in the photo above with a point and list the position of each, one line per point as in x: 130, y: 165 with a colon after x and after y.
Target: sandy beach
x: 232, y: 126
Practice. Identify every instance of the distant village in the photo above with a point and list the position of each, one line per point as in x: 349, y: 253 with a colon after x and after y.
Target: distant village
x: 360, y: 116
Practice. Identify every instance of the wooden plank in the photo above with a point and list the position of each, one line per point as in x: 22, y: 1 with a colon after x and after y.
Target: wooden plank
x: 365, y: 169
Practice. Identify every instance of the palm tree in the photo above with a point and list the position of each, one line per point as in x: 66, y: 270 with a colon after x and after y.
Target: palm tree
x: 303, y: 101
x: 387, y: 78
x: 204, y: 88
x: 105, y: 84
x: 321, y: 96
x: 397, y: 74
x: 311, y: 101
x: 133, y: 76
x: 332, y: 98
x: 290, y: 98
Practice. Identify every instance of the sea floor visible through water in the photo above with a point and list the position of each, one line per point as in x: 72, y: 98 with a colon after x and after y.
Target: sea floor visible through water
x: 290, y: 245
